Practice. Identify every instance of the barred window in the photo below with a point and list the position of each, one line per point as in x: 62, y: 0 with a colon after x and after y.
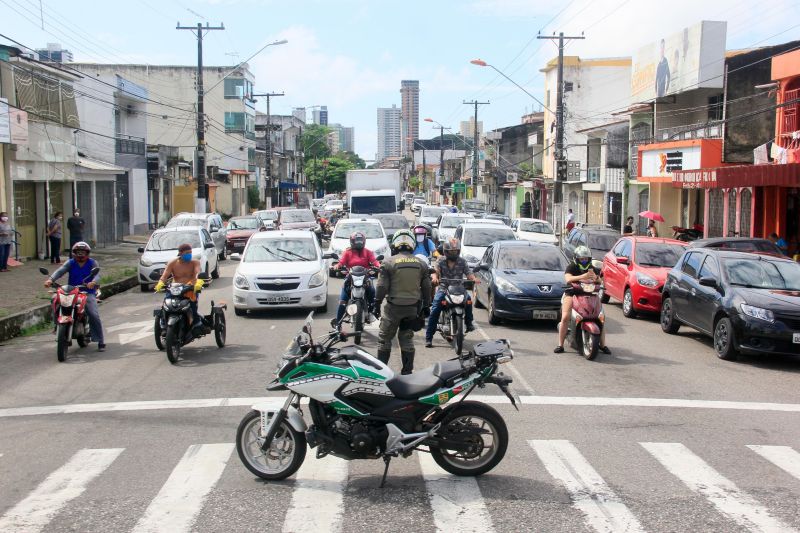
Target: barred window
x: 46, y: 99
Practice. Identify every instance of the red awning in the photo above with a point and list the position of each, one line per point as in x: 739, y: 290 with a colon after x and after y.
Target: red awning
x: 738, y: 176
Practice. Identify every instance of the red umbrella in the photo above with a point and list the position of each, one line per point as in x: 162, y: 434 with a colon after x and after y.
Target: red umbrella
x: 652, y: 216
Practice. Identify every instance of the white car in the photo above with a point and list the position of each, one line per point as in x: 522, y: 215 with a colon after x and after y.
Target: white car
x: 334, y: 205
x: 534, y: 229
x: 477, y: 236
x: 280, y: 269
x: 429, y: 213
x: 372, y: 229
x: 163, y: 246
x: 212, y: 222
x: 417, y: 204
x: 448, y: 223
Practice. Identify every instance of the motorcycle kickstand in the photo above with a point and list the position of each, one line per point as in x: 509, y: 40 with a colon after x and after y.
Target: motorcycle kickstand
x: 386, y: 459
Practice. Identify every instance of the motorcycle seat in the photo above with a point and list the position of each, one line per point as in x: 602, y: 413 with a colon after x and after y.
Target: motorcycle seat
x: 447, y: 370
x: 423, y: 382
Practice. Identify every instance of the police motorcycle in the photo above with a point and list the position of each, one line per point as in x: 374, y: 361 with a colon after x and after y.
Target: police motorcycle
x: 173, y: 329
x: 457, y: 295
x: 357, y: 311
x: 359, y: 409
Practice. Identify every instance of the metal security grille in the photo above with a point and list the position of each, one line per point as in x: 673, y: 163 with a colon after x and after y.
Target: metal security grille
x: 644, y: 205
x: 105, y: 212
x: 716, y: 206
x: 86, y: 207
x: 732, y: 229
x: 744, y: 218
x: 123, y: 206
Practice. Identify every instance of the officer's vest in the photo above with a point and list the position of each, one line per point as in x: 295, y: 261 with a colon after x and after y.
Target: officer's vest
x: 406, y: 276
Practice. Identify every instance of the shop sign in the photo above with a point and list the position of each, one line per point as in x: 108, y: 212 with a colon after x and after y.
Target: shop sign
x: 661, y: 163
x: 5, y: 122
x: 460, y: 186
x: 695, y: 179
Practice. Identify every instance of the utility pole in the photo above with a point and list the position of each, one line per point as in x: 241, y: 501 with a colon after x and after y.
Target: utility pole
x: 440, y: 181
x: 200, y: 171
x: 269, y: 148
x: 475, y: 144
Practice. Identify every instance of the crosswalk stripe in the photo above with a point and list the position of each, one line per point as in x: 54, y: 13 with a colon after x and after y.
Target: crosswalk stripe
x: 719, y: 490
x: 783, y: 457
x: 603, y: 510
x: 59, y: 488
x: 456, y: 501
x: 180, y: 499
x: 318, y: 498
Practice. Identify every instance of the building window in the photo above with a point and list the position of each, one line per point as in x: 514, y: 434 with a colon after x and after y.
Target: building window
x: 234, y: 122
x: 238, y: 88
x: 250, y: 127
x: 715, y: 108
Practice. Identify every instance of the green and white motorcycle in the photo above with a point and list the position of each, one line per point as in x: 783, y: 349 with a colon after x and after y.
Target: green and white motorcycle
x: 359, y: 409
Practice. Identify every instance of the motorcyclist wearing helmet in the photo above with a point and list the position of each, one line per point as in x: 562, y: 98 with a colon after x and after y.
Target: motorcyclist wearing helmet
x: 451, y: 266
x: 356, y: 255
x: 580, y: 269
x: 424, y: 245
x: 405, y: 284
x: 79, y: 268
x: 185, y: 270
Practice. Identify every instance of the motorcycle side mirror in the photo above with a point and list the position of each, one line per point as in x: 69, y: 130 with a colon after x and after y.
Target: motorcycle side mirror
x: 622, y: 260
x: 94, y: 271
x: 44, y: 271
x: 597, y: 264
x: 140, y: 249
x: 379, y: 258
x: 330, y: 255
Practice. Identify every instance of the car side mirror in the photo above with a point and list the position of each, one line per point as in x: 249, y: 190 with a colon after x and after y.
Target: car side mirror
x: 622, y: 260
x: 262, y: 228
x: 140, y: 249
x: 331, y: 255
x: 44, y: 271
x: 208, y: 245
x: 236, y: 256
x: 481, y: 267
x: 597, y: 264
x: 708, y: 282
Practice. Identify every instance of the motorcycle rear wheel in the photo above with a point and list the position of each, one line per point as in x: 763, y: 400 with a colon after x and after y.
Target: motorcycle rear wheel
x: 481, y: 426
x: 285, y: 455
x: 62, y: 342
x: 83, y: 340
x: 457, y: 330
x: 589, y: 344
x: 157, y: 333
x: 173, y: 342
x: 219, y: 329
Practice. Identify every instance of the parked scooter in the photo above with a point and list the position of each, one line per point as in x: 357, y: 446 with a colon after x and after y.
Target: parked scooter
x: 586, y: 320
x: 357, y: 311
x: 457, y: 295
x: 173, y: 321
x: 69, y: 310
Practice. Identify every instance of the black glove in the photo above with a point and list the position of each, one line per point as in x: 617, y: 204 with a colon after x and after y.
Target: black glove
x: 377, y: 310
x: 426, y: 311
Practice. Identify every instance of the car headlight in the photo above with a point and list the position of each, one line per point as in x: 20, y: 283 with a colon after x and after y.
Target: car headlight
x: 145, y: 262
x: 240, y: 282
x: 317, y: 279
x: 506, y: 286
x: 758, y: 312
x: 645, y: 280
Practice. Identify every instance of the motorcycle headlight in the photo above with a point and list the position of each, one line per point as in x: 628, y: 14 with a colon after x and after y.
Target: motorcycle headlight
x: 176, y: 290
x: 645, y: 280
x: 457, y: 299
x: 240, y: 282
x: 66, y: 300
x: 358, y: 281
x: 145, y: 262
x: 758, y: 312
x: 168, y: 301
x: 506, y: 286
x: 317, y: 279
x: 351, y: 309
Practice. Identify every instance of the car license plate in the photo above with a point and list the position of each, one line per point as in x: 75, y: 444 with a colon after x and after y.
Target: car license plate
x: 796, y: 338
x: 545, y: 315
x: 277, y: 299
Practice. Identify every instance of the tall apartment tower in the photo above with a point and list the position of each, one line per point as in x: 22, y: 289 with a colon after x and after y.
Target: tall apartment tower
x: 409, y: 99
x: 320, y: 116
x: 389, y: 140
x: 467, y: 127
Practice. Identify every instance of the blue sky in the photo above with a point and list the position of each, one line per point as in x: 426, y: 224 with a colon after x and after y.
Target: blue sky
x: 351, y: 54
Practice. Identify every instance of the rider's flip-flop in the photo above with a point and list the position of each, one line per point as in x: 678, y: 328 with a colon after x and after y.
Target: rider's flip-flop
x: 559, y: 349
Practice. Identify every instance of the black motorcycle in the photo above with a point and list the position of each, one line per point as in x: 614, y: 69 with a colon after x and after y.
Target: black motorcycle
x: 686, y: 234
x: 357, y: 311
x: 457, y: 295
x: 173, y: 321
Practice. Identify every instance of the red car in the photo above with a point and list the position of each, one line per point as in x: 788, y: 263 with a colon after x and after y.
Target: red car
x: 634, y: 271
x: 239, y: 230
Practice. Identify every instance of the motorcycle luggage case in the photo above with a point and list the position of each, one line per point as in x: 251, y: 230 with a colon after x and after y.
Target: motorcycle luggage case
x: 483, y: 349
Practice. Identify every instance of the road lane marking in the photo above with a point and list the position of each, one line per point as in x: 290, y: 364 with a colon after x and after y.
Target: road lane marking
x: 318, y: 498
x: 717, y: 489
x: 130, y: 325
x: 181, y: 498
x: 456, y: 501
x: 783, y: 457
x: 517, y: 374
x: 62, y: 486
x: 277, y: 401
x: 603, y: 510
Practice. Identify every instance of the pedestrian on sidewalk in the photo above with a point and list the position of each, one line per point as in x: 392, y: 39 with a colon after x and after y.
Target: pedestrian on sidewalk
x: 75, y: 225
x: 570, y: 222
x: 652, y: 231
x: 54, y: 234
x: 6, y: 236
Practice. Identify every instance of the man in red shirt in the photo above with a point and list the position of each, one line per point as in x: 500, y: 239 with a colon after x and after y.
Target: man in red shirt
x: 356, y: 255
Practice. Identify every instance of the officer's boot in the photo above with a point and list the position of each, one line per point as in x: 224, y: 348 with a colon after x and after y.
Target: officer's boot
x: 383, y: 356
x: 407, y: 358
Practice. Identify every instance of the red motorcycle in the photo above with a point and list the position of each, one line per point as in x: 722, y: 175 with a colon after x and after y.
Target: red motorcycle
x: 587, y: 319
x: 69, y: 310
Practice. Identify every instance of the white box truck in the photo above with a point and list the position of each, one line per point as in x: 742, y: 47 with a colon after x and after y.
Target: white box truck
x: 372, y: 191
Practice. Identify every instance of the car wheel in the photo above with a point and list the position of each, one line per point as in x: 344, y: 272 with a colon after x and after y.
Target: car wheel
x: 669, y: 324
x: 627, y: 304
x: 494, y: 320
x: 221, y: 256
x: 477, y: 300
x: 215, y: 273
x: 725, y: 340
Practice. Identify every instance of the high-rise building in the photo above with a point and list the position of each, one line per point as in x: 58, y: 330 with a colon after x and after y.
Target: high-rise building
x: 467, y: 128
x: 347, y: 139
x: 409, y: 100
x: 54, y: 53
x: 320, y: 115
x: 389, y: 140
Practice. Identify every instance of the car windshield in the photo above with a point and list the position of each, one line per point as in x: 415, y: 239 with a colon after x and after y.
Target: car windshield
x: 280, y: 250
x: 536, y: 227
x: 243, y: 223
x: 531, y: 258
x: 763, y: 274
x: 432, y: 212
x: 267, y: 215
x: 502, y: 218
x: 186, y: 221
x: 453, y: 222
x: 748, y: 246
x: 486, y: 236
x: 474, y: 206
x: 170, y: 240
x: 602, y: 241
x: 370, y: 230
x: 658, y: 255
x: 297, y: 215
x: 393, y: 222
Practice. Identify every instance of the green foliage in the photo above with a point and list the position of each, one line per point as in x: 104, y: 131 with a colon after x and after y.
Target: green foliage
x: 353, y: 158
x: 332, y: 178
x: 528, y: 171
x: 114, y: 274
x: 253, y: 198
x: 315, y: 142
x: 414, y: 183
x: 39, y: 327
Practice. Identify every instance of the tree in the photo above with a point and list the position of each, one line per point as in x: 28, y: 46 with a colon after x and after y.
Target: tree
x: 353, y: 158
x: 414, y: 183
x: 332, y: 178
x: 315, y: 142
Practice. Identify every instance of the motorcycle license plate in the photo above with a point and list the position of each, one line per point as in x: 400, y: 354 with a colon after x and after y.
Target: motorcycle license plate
x: 277, y: 299
x: 796, y: 338
x: 545, y: 315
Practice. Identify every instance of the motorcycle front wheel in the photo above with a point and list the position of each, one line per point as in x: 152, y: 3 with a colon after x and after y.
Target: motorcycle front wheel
x: 590, y: 342
x: 62, y: 342
x: 173, y: 342
x: 219, y: 329
x: 457, y: 330
x: 478, y: 426
x: 284, y: 456
x: 358, y: 323
x: 158, y: 333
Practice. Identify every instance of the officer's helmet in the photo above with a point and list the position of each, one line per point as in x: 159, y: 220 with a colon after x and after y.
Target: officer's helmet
x: 403, y: 240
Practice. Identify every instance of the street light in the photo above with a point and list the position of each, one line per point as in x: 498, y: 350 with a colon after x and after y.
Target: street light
x: 482, y: 63
x: 441, y: 148
x: 234, y: 69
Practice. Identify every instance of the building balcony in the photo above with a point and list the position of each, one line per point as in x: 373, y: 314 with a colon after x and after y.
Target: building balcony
x: 126, y: 144
x: 708, y: 130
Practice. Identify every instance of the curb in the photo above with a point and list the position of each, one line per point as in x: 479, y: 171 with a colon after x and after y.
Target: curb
x: 12, y: 325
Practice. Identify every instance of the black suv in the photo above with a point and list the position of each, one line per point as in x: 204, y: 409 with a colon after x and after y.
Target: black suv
x: 747, y: 302
x: 598, y: 238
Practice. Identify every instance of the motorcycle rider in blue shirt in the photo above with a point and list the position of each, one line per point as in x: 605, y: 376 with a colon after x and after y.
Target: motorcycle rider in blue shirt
x: 425, y: 245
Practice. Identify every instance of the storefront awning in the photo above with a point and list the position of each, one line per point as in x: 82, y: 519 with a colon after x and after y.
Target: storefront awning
x: 95, y: 166
x: 787, y: 175
x: 239, y: 172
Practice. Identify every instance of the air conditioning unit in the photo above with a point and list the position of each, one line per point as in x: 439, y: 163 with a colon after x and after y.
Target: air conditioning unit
x: 511, y: 177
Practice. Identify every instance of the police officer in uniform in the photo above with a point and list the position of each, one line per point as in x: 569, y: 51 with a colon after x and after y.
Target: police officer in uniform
x: 405, y: 283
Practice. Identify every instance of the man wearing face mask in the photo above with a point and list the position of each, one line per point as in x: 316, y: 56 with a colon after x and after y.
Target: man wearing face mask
x: 6, y: 236
x: 75, y: 225
x: 184, y: 270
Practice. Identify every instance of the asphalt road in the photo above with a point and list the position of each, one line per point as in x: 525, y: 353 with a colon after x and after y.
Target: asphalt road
x: 658, y: 436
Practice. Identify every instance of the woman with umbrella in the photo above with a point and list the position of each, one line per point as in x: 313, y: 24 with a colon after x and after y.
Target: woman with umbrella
x: 651, y: 226
x: 651, y: 229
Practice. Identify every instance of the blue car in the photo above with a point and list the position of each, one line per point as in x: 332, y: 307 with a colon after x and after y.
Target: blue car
x: 521, y: 280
